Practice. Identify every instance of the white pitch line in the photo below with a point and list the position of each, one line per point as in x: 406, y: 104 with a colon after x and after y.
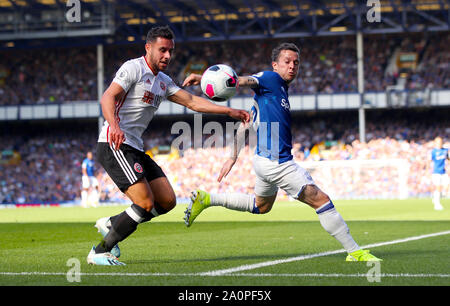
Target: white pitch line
x: 326, y: 275
x: 336, y: 275
x: 309, y: 256
x: 231, y: 271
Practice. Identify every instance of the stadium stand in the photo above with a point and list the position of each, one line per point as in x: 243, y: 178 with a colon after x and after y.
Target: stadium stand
x: 328, y: 65
x: 41, y: 160
x: 48, y: 167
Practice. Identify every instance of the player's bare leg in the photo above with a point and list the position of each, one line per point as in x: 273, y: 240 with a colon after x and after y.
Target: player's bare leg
x: 164, y: 196
x: 265, y: 204
x: 141, y: 194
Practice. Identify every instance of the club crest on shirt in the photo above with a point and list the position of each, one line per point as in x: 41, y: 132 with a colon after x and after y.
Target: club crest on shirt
x: 163, y: 86
x: 138, y: 168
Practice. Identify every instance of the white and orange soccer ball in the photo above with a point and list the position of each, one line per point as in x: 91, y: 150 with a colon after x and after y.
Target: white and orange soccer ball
x: 219, y: 82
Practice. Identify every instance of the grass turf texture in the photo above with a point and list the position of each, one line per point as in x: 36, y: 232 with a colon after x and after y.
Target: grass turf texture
x: 44, y: 239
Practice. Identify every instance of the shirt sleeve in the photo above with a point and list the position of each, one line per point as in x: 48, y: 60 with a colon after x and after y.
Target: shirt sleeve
x: 265, y: 79
x: 257, y: 77
x: 172, y: 88
x: 127, y: 75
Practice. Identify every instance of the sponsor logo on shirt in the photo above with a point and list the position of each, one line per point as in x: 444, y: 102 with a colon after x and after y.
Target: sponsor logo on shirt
x: 151, y: 99
x: 285, y: 104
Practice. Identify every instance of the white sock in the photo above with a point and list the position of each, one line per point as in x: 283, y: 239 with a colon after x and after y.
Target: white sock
x: 331, y: 220
x: 437, y: 197
x: 84, y: 198
x: 94, y: 199
x: 235, y: 201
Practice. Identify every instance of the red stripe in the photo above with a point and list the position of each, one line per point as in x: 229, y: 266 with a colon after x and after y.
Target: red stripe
x: 116, y: 113
x: 119, y: 105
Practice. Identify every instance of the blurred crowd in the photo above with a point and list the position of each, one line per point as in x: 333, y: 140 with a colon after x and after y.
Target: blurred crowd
x: 49, y: 170
x: 327, y: 65
x: 51, y: 157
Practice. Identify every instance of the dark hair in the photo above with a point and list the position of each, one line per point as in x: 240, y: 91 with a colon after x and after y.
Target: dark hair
x: 283, y: 46
x: 159, y: 31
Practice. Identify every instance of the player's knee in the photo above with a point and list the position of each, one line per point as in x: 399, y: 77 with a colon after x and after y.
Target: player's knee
x: 170, y: 203
x: 146, y: 204
x: 164, y: 205
x: 313, y: 196
x: 265, y: 209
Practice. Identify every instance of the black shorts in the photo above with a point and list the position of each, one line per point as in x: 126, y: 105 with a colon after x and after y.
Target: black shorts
x: 127, y: 165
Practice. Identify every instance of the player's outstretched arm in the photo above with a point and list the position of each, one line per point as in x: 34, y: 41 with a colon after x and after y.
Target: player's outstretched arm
x: 108, y: 102
x: 202, y: 105
x: 244, y: 81
x: 239, y: 141
x: 248, y: 81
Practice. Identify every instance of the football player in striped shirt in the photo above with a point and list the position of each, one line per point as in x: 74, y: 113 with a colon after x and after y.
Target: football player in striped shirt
x: 128, y: 105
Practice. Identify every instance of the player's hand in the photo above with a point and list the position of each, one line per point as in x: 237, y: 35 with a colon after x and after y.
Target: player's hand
x: 239, y: 114
x: 226, y: 168
x: 192, y: 79
x: 116, y: 137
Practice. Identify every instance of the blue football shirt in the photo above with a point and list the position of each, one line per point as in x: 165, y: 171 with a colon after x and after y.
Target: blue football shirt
x: 272, y: 117
x: 89, y: 165
x: 438, y: 156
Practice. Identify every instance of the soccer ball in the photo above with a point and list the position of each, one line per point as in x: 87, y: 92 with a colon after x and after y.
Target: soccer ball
x: 219, y: 82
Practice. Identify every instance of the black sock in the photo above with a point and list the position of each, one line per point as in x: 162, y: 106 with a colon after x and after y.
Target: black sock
x: 122, y: 226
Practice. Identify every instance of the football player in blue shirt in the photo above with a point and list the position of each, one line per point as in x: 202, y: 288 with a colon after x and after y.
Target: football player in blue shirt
x: 273, y: 162
x: 439, y: 177
x: 90, y: 192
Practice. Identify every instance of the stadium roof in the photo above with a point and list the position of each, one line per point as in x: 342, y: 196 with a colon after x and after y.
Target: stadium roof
x: 194, y: 20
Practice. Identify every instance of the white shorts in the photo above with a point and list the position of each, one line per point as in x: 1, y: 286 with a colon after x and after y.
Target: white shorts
x: 439, y: 179
x: 89, y: 181
x: 288, y: 176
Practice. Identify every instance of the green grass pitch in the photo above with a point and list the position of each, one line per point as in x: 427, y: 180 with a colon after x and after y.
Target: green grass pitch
x: 286, y: 247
